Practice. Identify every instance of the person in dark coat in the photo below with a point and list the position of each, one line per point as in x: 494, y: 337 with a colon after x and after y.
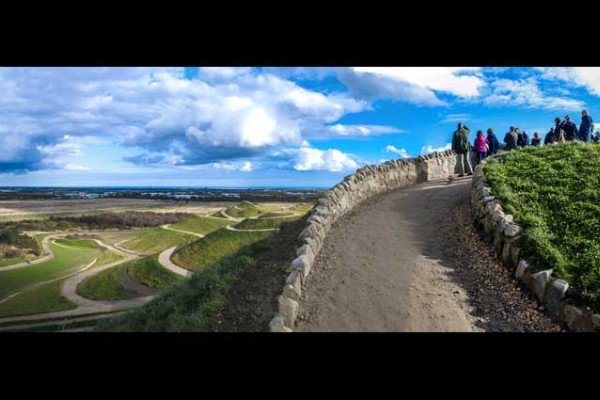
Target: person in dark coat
x: 492, y: 142
x: 586, y: 127
x: 570, y: 129
x: 536, y: 141
x: 510, y: 139
x: 462, y: 148
x: 549, y: 139
x: 519, y: 137
x: 525, y: 139
x: 559, y: 132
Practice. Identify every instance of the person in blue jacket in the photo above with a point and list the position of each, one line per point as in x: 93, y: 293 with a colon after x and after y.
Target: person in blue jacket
x: 492, y: 142
x: 586, y: 127
x: 525, y: 139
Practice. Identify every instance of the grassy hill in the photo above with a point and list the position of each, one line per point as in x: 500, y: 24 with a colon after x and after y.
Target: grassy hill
x: 209, y: 250
x: 554, y: 194
x: 200, y: 225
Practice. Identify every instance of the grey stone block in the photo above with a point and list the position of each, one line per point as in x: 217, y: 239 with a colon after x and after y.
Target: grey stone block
x: 555, y: 293
x: 539, y: 282
x: 293, y: 285
x: 521, y: 268
x: 277, y: 325
x: 288, y: 309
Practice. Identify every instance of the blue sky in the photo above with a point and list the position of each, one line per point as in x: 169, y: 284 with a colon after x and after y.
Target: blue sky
x: 280, y: 126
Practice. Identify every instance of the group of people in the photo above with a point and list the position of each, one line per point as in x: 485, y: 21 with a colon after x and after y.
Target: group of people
x: 483, y: 146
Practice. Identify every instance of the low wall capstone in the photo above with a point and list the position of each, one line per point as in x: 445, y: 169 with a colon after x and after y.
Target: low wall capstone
x: 363, y: 184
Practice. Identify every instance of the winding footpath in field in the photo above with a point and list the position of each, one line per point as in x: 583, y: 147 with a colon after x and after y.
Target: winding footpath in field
x: 399, y: 262
x: 164, y: 259
x: 47, y: 250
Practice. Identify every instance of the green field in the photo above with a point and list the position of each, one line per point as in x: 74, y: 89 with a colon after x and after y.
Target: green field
x: 200, y: 225
x: 4, y: 262
x: 276, y: 214
x: 218, y: 215
x: 44, y: 298
x: 259, y: 223
x: 301, y: 208
x: 111, y: 283
x: 214, y: 247
x: 112, y: 237
x: 553, y: 193
x: 155, y: 240
x: 108, y: 257
x: 66, y: 260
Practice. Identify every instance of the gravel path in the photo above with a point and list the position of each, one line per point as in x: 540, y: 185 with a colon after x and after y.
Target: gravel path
x: 164, y: 259
x: 410, y: 260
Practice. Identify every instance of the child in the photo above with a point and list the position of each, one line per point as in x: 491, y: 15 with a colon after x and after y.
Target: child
x: 481, y: 146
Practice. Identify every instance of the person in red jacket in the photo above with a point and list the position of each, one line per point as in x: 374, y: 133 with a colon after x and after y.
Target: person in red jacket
x: 481, y: 146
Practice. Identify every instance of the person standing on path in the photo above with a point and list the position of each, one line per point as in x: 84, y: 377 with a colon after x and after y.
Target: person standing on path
x: 570, y: 129
x: 511, y: 139
x: 492, y: 142
x: 481, y: 146
x: 559, y: 132
x: 462, y: 147
x: 586, y: 127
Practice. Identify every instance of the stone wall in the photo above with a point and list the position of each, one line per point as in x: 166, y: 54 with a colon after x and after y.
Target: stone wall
x: 489, y: 217
x: 366, y: 182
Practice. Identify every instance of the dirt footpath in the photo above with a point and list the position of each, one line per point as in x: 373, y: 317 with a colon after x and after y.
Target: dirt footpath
x: 399, y: 263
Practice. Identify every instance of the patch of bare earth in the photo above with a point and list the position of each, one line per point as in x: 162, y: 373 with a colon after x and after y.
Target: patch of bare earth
x: 252, y: 300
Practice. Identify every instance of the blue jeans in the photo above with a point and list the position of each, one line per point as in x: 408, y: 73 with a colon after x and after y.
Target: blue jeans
x: 481, y: 156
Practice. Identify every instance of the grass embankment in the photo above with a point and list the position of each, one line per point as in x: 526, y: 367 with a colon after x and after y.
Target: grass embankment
x: 235, y: 293
x: 261, y: 223
x: 156, y: 240
x: 214, y: 247
x: 244, y: 210
x: 5, y: 262
x: 190, y: 305
x: 201, y: 225
x: 276, y: 214
x: 37, y: 300
x: 66, y: 260
x: 112, y: 284
x: 553, y: 193
x: 302, y: 208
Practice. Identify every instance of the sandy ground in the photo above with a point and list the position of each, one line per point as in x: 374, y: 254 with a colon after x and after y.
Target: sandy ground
x: 387, y: 266
x: 31, y: 207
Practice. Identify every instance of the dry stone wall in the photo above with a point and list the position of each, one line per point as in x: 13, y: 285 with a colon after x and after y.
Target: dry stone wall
x: 366, y: 182
x: 489, y: 217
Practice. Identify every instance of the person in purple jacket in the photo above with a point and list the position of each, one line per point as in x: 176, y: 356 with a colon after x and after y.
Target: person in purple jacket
x: 481, y: 146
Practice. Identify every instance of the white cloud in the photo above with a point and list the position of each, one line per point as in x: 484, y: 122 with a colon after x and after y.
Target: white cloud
x: 247, y: 167
x: 588, y: 77
x: 430, y: 149
x: 310, y: 159
x: 222, y: 114
x: 361, y: 130
x: 76, y: 167
x: 401, y: 152
x: 416, y: 85
x: 442, y: 79
x: 526, y: 93
x: 457, y: 117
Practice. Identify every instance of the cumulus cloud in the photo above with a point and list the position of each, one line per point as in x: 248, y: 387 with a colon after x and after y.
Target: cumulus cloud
x: 361, y: 130
x: 401, y: 152
x: 416, y: 85
x: 311, y: 159
x: 588, y: 77
x: 526, y: 93
x: 430, y: 149
x: 221, y: 114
